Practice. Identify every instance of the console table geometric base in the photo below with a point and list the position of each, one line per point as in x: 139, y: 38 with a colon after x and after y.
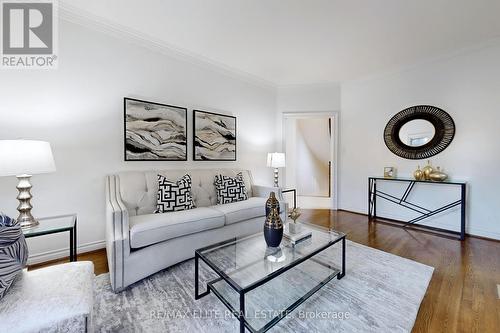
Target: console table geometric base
x: 374, y: 193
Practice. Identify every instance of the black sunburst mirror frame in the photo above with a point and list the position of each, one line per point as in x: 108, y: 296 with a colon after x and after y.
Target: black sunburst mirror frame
x: 444, y: 132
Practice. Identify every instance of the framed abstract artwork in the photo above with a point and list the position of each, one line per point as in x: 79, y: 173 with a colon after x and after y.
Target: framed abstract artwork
x: 154, y: 132
x: 214, y: 136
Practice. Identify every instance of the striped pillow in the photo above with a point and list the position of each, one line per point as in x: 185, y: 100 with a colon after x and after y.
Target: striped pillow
x: 13, y: 255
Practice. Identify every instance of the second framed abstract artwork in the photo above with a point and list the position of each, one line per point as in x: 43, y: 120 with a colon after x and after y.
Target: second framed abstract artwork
x: 154, y: 132
x: 214, y: 136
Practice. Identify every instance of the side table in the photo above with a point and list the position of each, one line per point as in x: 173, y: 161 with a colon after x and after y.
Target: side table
x: 294, y: 195
x: 56, y: 224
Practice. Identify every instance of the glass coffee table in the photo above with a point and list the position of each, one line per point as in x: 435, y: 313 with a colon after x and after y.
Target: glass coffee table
x: 261, y: 285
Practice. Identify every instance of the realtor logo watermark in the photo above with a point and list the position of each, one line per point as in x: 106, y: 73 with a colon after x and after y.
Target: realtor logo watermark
x: 29, y: 34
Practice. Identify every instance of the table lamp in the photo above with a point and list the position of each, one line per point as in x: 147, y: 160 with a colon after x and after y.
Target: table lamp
x: 23, y: 158
x: 276, y: 160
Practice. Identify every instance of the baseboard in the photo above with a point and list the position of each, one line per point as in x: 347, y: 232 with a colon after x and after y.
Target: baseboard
x: 484, y: 234
x: 352, y: 212
x: 472, y: 232
x: 64, y: 252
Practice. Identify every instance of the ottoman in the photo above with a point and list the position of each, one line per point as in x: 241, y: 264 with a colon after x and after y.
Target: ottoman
x: 53, y: 299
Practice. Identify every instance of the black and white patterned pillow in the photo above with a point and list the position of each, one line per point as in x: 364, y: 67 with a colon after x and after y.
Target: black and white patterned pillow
x: 174, y: 196
x: 230, y: 189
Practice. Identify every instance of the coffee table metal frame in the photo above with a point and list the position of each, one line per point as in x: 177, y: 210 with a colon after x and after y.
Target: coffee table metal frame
x: 240, y: 314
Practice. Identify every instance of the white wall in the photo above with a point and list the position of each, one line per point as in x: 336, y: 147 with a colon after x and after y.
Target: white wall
x: 308, y: 97
x: 78, y: 108
x: 467, y: 86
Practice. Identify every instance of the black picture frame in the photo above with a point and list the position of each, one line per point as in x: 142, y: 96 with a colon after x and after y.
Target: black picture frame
x: 126, y: 145
x: 444, y: 127
x: 196, y: 155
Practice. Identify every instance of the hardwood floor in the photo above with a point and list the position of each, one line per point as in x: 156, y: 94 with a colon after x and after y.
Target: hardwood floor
x: 97, y: 257
x: 462, y: 295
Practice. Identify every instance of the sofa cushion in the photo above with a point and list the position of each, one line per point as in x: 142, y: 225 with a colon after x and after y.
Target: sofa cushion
x: 243, y: 210
x: 153, y: 228
x: 139, y: 189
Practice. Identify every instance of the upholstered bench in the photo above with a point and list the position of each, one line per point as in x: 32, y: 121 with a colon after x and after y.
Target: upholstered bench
x: 53, y: 299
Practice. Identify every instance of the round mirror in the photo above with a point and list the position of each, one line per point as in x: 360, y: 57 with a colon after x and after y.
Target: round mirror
x: 417, y: 132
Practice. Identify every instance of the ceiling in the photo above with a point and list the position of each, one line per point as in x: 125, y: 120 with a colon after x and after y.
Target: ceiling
x: 305, y: 41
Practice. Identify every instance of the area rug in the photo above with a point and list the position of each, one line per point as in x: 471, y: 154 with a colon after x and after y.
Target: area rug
x: 380, y: 292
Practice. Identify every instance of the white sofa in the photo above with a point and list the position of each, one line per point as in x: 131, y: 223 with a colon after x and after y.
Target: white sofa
x: 140, y: 243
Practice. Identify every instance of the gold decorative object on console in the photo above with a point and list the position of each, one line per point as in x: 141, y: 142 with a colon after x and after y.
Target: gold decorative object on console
x: 427, y: 170
x: 438, y: 175
x: 418, y: 174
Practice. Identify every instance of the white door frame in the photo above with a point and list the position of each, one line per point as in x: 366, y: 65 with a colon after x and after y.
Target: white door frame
x: 335, y: 146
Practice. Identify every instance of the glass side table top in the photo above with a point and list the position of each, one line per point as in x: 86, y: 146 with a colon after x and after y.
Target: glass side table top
x: 50, y: 225
x: 248, y: 260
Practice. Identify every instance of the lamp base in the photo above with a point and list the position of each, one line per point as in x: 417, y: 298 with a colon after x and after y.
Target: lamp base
x: 27, y: 224
x: 276, y: 177
x: 25, y: 219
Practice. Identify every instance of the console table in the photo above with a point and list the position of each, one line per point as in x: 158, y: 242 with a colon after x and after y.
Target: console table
x: 374, y: 193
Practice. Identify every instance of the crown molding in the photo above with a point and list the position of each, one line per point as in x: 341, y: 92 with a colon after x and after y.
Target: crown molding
x: 84, y: 18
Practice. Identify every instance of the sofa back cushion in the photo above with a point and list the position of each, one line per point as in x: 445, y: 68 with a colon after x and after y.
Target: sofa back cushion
x: 138, y: 189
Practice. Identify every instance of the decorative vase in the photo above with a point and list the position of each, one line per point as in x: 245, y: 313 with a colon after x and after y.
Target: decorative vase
x: 270, y: 202
x: 418, y: 174
x: 273, y: 227
x: 438, y: 175
x: 427, y: 170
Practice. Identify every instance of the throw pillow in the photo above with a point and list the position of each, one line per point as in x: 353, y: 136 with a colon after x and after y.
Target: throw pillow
x: 13, y: 252
x: 174, y: 196
x: 230, y: 189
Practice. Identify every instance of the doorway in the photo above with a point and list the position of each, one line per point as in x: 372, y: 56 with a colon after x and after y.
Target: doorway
x: 310, y: 143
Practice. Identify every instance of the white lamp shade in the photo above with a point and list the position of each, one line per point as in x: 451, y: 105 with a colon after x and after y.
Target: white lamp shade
x: 25, y: 157
x: 276, y: 160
